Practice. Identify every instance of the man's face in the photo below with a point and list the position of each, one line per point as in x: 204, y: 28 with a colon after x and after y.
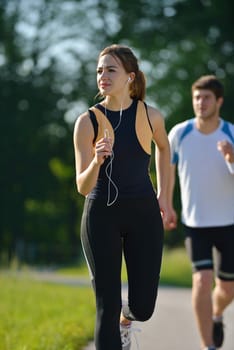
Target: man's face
x: 205, y: 104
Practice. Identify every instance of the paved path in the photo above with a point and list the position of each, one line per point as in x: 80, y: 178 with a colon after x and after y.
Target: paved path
x: 172, y: 326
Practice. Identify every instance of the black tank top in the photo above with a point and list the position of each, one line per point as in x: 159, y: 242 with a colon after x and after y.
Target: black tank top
x: 130, y: 165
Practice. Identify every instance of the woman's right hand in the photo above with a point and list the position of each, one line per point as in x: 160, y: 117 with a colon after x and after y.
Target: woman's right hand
x: 103, y: 149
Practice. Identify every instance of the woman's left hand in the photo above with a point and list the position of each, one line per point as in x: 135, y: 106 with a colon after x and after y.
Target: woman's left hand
x: 169, y: 215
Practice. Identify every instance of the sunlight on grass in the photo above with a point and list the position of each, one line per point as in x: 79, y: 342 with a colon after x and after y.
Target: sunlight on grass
x: 176, y: 268
x: 81, y: 270
x: 45, y: 316
x: 41, y: 316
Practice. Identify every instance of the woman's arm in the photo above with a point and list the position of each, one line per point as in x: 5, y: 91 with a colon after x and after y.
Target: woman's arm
x: 172, y: 224
x: 88, y: 157
x: 162, y: 151
x: 162, y: 160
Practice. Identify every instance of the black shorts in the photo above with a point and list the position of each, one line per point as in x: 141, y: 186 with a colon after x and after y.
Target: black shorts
x: 211, y: 248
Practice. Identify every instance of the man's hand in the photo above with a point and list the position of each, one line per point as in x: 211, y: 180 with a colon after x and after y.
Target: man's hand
x: 227, y: 150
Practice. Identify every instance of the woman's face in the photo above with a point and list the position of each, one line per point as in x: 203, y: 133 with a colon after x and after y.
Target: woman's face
x: 112, y: 78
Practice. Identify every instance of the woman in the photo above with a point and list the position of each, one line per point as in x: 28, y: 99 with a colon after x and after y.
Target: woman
x: 122, y: 212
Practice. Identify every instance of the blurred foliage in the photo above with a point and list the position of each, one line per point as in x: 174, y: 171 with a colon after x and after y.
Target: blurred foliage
x: 48, y: 52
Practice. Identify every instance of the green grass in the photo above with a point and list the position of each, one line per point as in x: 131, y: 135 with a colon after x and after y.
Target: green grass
x: 176, y: 268
x: 44, y: 316
x: 81, y: 270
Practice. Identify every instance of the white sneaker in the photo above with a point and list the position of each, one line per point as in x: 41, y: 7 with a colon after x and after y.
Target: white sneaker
x: 125, y: 333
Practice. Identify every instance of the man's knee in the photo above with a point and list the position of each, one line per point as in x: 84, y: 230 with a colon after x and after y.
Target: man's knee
x: 202, y: 281
x: 226, y: 288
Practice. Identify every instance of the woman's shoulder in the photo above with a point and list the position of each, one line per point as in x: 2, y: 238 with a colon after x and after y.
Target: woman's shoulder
x: 82, y: 121
x: 153, y: 111
x: 82, y: 116
x: 156, y: 117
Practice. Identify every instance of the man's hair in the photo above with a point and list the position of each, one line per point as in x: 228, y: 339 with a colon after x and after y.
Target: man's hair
x: 209, y: 82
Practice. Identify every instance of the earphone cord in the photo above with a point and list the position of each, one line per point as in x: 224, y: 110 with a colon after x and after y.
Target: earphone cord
x: 108, y: 169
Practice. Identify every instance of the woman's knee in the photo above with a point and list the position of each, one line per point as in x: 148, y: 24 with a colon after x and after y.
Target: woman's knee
x: 138, y: 312
x: 144, y: 314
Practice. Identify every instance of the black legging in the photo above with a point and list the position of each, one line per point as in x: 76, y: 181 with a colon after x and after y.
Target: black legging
x: 133, y: 226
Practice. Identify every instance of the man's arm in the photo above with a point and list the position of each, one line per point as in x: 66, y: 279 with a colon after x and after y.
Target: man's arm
x: 227, y: 150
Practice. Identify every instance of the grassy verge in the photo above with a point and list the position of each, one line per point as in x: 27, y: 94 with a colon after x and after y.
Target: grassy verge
x: 176, y: 269
x: 44, y: 316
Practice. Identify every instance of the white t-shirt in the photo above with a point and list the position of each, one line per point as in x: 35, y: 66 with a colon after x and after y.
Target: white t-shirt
x: 206, y: 183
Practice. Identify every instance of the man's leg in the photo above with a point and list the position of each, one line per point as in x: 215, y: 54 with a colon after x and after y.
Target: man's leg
x: 223, y: 292
x: 223, y: 295
x: 202, y: 305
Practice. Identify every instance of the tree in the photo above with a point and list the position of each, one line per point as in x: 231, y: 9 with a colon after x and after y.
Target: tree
x: 48, y: 52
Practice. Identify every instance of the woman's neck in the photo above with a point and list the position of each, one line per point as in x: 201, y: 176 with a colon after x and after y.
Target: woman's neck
x: 115, y: 103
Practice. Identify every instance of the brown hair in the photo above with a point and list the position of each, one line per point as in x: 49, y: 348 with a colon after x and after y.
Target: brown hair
x: 209, y: 82
x: 130, y: 64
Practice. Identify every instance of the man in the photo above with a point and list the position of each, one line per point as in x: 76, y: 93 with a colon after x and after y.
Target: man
x: 203, y: 150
